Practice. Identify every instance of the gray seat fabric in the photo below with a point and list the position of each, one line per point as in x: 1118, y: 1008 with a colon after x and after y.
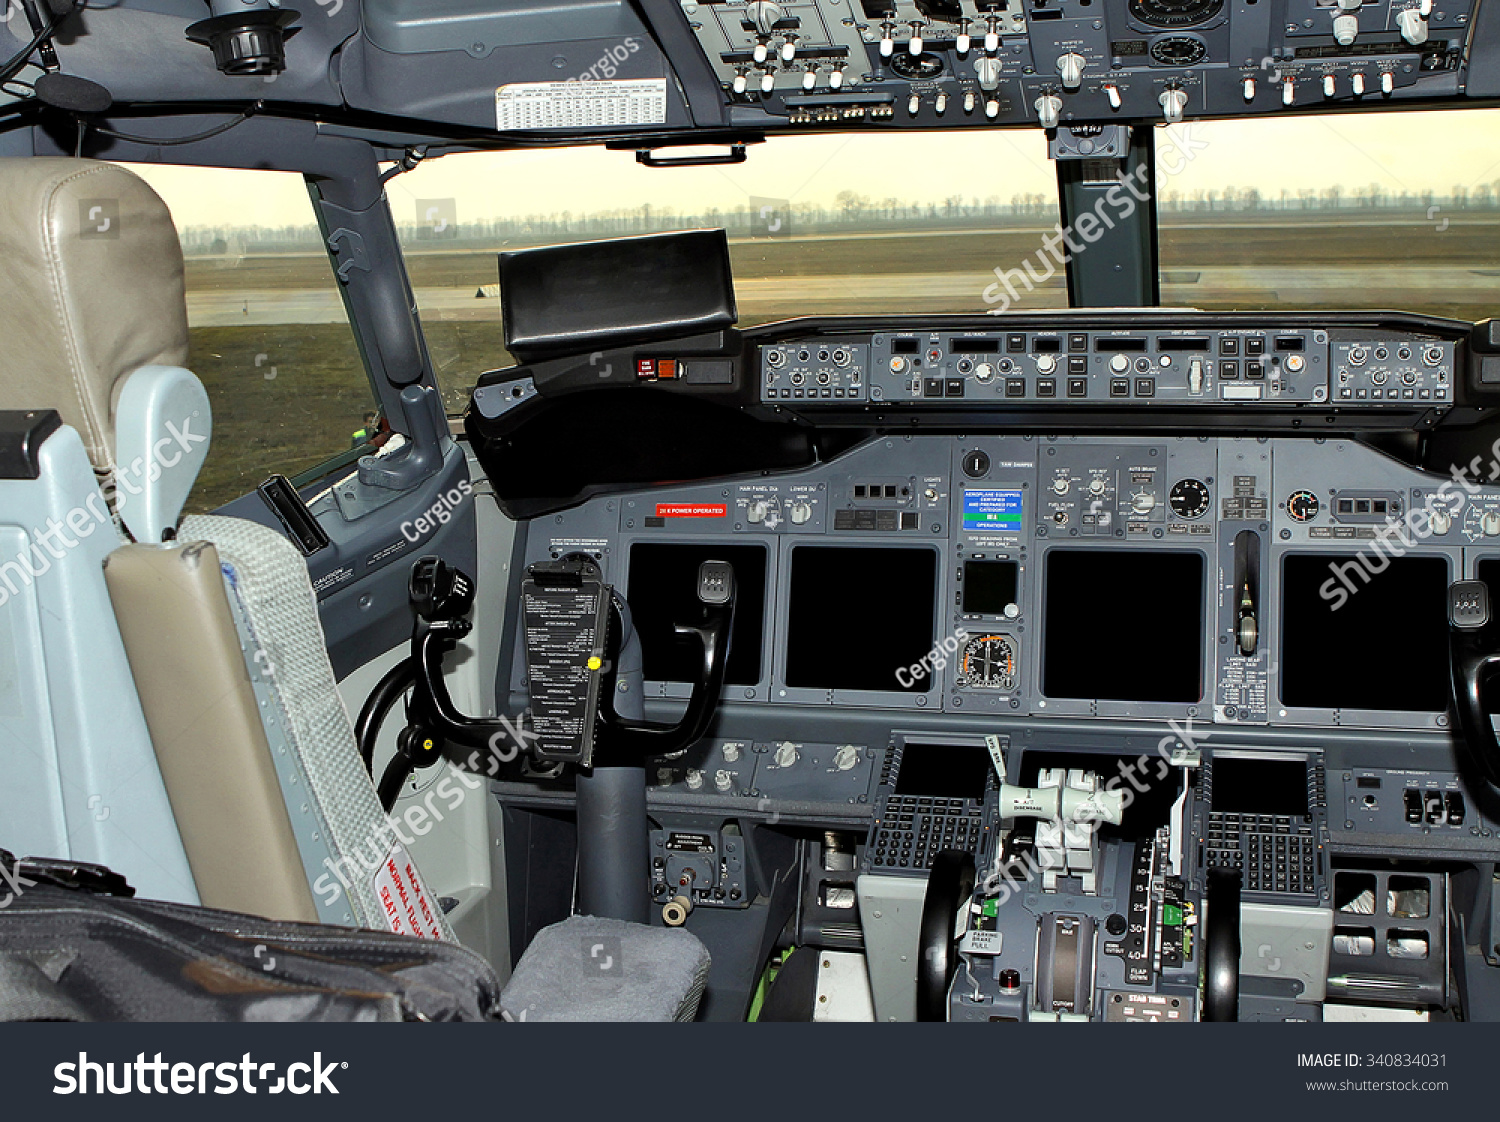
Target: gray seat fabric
x: 587, y: 968
x: 349, y: 850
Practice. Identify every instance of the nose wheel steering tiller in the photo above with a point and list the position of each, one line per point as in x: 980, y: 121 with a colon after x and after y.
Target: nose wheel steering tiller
x: 573, y: 631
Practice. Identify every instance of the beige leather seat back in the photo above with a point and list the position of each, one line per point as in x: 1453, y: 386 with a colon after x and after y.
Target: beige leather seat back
x: 94, y: 323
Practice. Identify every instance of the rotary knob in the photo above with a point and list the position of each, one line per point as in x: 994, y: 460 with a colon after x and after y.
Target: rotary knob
x: 1048, y: 109
x: 987, y: 70
x: 845, y: 756
x: 1143, y: 502
x: 1413, y: 25
x: 1345, y: 28
x: 786, y: 754
x: 694, y: 779
x: 731, y: 753
x: 723, y: 780
x: 801, y: 512
x: 1440, y: 522
x: 1173, y: 104
x: 1061, y: 485
x: 1070, y: 67
x: 1489, y: 522
x: 758, y: 511
x: 1096, y: 486
x: 983, y: 372
x: 1046, y: 364
x: 764, y: 14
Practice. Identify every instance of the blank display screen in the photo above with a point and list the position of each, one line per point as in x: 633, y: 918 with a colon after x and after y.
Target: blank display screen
x: 943, y: 771
x: 664, y: 592
x: 1123, y: 625
x: 1246, y: 786
x: 1355, y: 640
x: 857, y: 616
x: 989, y: 586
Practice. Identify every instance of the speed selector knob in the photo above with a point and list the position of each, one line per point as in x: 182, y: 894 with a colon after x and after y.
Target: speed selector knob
x: 1048, y: 109
x: 801, y: 512
x: 786, y: 754
x: 1413, y: 26
x: 987, y: 70
x: 845, y: 756
x: 1489, y: 522
x: 1070, y: 67
x: 1173, y: 103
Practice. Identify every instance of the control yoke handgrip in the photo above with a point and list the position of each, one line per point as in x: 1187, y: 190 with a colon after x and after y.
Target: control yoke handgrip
x: 1471, y: 663
x: 950, y: 883
x: 638, y: 739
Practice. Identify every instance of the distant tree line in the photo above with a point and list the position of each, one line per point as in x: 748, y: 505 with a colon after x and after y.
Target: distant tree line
x: 850, y: 212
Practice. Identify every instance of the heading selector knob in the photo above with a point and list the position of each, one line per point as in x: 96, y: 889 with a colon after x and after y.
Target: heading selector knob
x: 1070, y: 66
x: 1048, y: 109
x: 1173, y: 103
x: 1046, y: 364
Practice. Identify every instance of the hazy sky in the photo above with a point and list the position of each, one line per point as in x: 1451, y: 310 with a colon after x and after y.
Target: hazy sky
x: 1412, y: 152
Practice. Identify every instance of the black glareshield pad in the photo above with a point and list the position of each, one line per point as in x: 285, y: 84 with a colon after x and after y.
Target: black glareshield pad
x: 571, y: 299
x: 566, y: 616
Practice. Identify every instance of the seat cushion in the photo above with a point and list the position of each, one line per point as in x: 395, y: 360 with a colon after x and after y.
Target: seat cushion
x: 587, y: 968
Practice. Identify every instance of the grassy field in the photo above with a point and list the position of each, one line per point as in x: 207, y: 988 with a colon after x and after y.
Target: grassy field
x: 300, y: 405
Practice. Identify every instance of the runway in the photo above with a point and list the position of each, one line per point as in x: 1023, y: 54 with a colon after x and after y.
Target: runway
x: 1185, y: 285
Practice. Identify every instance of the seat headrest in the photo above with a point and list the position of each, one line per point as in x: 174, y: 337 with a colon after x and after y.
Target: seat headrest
x: 91, y: 290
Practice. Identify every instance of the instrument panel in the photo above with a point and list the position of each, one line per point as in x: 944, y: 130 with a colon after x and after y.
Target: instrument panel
x: 1242, y: 580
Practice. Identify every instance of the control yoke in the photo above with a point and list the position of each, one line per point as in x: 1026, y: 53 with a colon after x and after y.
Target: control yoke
x: 1471, y: 661
x: 572, y: 627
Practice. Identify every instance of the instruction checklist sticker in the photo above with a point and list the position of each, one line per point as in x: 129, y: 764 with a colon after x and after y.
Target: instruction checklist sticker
x: 579, y: 105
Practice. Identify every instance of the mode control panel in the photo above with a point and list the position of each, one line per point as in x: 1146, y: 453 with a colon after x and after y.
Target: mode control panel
x: 1140, y: 366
